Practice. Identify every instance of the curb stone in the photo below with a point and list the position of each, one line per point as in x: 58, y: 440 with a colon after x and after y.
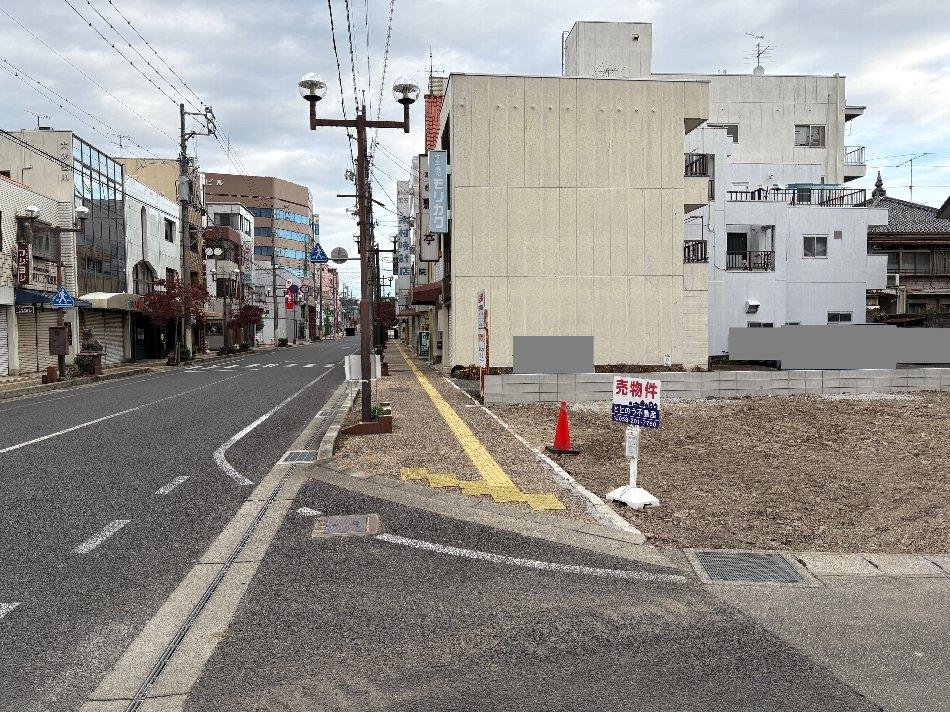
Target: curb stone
x: 596, y: 507
x: 344, y: 394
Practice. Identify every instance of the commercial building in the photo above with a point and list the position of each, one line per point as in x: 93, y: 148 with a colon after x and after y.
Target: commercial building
x: 29, y: 253
x: 566, y: 206
x: 70, y: 171
x: 153, y: 252
x: 229, y: 265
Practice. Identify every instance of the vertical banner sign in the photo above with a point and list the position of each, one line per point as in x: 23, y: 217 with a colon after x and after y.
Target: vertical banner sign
x: 480, y: 330
x: 288, y: 298
x: 438, y: 192
x: 24, y: 258
x: 402, y: 262
x: 636, y: 401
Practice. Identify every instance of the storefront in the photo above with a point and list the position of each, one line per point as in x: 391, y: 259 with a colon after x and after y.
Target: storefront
x: 109, y: 318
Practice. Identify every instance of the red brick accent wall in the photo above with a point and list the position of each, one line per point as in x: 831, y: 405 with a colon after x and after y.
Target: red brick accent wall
x: 433, y: 111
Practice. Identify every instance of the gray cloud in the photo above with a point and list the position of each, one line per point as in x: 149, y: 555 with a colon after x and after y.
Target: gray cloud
x: 244, y: 58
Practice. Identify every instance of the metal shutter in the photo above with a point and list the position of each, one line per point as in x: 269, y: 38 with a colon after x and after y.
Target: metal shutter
x: 114, y: 338
x: 4, y: 344
x: 26, y: 349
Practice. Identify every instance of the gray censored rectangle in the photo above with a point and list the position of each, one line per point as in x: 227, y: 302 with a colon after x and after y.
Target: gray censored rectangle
x: 553, y: 354
x: 840, y: 347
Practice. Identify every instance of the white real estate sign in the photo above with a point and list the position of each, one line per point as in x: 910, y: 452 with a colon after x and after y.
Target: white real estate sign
x: 636, y: 401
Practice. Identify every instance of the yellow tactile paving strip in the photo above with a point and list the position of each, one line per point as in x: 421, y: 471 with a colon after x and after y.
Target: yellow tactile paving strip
x: 494, y: 482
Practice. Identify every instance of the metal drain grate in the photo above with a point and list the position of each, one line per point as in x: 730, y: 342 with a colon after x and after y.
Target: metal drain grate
x: 347, y: 525
x: 299, y: 456
x: 751, y: 566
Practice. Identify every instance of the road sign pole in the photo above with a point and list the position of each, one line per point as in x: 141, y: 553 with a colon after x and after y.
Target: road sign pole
x: 60, y: 321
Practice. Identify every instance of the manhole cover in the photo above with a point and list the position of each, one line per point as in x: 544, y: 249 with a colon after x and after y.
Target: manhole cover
x: 347, y: 525
x: 748, y: 566
x: 299, y: 456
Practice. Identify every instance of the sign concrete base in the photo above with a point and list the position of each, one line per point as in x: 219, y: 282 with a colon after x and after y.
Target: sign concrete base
x: 634, y: 497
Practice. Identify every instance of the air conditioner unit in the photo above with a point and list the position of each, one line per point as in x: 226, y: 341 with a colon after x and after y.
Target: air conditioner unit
x: 751, y: 306
x: 893, y: 280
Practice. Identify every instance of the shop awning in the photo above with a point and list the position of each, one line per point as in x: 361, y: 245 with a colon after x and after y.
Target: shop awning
x: 122, y: 301
x: 427, y: 293
x: 31, y: 296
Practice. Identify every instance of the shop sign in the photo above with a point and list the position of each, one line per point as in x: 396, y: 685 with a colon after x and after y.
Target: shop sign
x: 438, y: 192
x: 24, y: 259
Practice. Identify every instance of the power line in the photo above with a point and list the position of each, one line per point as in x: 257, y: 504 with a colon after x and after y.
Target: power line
x: 369, y: 73
x: 119, y: 52
x: 382, y: 81
x: 39, y: 88
x: 165, y: 79
x: 154, y: 51
x: 87, y: 77
x: 339, y: 74
x: 349, y: 32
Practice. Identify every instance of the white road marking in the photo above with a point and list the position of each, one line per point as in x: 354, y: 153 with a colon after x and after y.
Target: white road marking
x: 269, y: 365
x: 329, y: 365
x: 289, y: 365
x: 222, y: 461
x: 109, y: 417
x: 171, y: 485
x: 7, y: 607
x: 530, y: 563
x: 233, y: 365
x: 99, y: 537
x: 307, y: 512
x: 309, y: 365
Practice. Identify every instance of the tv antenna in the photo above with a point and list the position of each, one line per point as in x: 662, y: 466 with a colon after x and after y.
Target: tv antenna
x: 761, y: 50
x: 38, y: 117
x: 911, y: 162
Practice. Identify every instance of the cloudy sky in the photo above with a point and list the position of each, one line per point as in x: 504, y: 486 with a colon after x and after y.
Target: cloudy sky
x: 244, y: 58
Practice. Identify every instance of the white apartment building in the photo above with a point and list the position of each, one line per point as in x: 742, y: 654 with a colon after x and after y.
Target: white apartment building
x: 153, y: 252
x: 784, y: 238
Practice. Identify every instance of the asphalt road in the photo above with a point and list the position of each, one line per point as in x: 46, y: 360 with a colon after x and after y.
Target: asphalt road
x: 363, y: 623
x: 109, y: 493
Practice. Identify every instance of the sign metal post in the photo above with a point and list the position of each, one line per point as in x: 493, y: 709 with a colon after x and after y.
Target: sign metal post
x: 636, y: 402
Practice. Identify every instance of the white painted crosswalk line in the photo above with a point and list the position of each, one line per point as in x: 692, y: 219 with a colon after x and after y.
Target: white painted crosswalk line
x: 329, y: 365
x: 269, y: 365
x: 309, y: 365
x: 100, y: 536
x: 7, y: 607
x: 289, y: 365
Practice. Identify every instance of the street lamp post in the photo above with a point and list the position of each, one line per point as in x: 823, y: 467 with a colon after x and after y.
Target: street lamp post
x: 82, y: 212
x: 312, y: 88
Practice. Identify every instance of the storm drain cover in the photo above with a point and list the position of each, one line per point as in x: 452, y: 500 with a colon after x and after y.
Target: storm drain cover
x: 347, y: 525
x: 299, y: 456
x: 751, y: 566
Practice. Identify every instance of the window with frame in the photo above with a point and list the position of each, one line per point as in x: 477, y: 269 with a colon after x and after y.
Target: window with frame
x: 760, y: 324
x: 732, y: 130
x: 839, y: 317
x: 810, y: 135
x: 815, y: 245
x: 169, y: 230
x: 915, y: 261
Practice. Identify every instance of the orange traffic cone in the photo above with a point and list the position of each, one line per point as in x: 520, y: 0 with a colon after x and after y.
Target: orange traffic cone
x: 562, y: 434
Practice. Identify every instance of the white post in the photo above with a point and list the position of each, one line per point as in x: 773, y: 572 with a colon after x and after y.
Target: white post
x: 631, y: 495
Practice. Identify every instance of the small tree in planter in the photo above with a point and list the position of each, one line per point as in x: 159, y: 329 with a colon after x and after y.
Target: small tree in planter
x: 172, y: 300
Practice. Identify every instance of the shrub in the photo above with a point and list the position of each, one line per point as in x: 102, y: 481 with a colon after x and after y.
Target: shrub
x: 84, y: 365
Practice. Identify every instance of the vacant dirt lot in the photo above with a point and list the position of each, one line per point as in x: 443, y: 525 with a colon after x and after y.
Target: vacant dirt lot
x: 800, y: 472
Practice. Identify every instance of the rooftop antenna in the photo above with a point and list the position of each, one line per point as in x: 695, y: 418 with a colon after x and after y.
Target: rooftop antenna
x: 760, y: 52
x: 120, y: 137
x: 38, y: 117
x: 911, y: 162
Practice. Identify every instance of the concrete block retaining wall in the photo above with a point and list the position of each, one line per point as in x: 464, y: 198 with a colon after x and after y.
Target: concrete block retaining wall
x: 580, y: 387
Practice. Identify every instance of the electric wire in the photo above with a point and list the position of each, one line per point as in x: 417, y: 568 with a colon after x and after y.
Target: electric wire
x: 382, y: 81
x: 349, y: 32
x: 95, y: 83
x: 339, y: 74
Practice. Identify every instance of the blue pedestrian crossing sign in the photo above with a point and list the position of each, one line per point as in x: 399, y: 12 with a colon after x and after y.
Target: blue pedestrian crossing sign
x: 318, y: 256
x: 62, y: 299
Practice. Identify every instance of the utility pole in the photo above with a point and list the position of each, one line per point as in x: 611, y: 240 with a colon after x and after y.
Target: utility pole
x: 273, y: 274
x: 185, y: 199
x: 312, y: 88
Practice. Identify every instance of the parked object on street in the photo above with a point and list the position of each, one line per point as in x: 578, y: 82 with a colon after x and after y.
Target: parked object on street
x: 562, y: 434
x: 636, y: 402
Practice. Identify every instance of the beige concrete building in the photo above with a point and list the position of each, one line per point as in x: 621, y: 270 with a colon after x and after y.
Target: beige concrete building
x: 567, y: 199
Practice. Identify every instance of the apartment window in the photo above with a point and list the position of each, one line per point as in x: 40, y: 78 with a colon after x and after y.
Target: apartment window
x: 171, y: 276
x: 810, y: 135
x: 815, y: 245
x: 760, y: 324
x: 893, y: 262
x: 915, y: 262
x: 169, y: 230
x: 793, y: 323
x: 839, y: 317
x: 732, y: 130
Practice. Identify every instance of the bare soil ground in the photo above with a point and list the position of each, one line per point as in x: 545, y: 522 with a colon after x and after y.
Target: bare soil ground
x: 798, y: 473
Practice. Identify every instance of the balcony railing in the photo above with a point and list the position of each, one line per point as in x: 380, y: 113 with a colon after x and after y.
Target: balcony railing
x: 696, y: 165
x: 695, y: 251
x: 854, y: 155
x: 751, y: 260
x: 827, y: 197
